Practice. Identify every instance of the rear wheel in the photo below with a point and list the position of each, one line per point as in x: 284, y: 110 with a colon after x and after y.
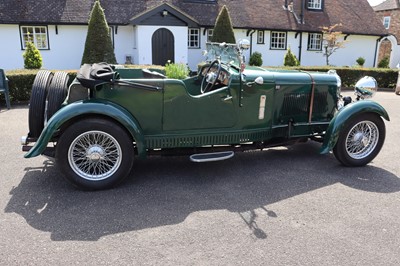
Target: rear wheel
x: 360, y: 140
x: 95, y: 154
x: 37, y: 103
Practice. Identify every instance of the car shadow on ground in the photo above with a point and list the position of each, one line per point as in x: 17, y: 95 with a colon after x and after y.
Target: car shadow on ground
x: 164, y: 191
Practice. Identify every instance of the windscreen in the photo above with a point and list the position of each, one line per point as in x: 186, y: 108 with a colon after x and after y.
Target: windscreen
x: 227, y: 53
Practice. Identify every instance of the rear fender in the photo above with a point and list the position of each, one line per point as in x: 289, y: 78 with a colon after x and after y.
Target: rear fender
x: 344, y: 115
x: 89, y: 107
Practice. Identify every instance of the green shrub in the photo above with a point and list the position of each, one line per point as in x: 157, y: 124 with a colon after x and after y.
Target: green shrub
x: 256, y: 59
x: 290, y: 59
x: 32, y: 57
x: 360, y: 61
x: 176, y: 71
x: 384, y: 63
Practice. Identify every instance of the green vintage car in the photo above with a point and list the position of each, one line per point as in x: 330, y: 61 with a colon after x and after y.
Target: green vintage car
x: 110, y: 116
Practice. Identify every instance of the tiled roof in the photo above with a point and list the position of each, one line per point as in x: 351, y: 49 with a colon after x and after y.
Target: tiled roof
x: 387, y: 5
x: 356, y: 16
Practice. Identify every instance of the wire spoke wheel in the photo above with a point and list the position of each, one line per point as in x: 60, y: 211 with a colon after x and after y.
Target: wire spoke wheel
x: 95, y: 155
x: 362, y: 139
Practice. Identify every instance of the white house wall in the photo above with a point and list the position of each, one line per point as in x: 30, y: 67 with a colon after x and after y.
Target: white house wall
x: 66, y: 47
x: 355, y: 46
x: 10, y: 48
x: 124, y: 43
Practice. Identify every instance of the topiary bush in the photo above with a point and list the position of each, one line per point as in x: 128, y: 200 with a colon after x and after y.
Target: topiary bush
x: 223, y: 30
x: 290, y: 59
x: 32, y: 57
x: 360, y: 61
x: 256, y: 59
x: 98, y: 44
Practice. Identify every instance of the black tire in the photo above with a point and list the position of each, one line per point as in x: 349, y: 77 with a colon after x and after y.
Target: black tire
x: 37, y: 103
x: 360, y: 140
x: 57, y: 92
x: 106, y: 154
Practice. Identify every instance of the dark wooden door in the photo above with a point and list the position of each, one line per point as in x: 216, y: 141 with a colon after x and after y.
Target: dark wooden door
x: 163, y: 47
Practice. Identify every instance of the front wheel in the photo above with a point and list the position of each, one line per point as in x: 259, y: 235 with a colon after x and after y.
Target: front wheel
x: 360, y: 140
x: 95, y: 154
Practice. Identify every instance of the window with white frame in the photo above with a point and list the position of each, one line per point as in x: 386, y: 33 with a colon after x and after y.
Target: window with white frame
x: 35, y: 34
x: 386, y: 22
x: 194, y: 38
x: 314, y: 4
x: 314, y: 42
x: 260, y: 36
x: 210, y: 33
x: 278, y: 40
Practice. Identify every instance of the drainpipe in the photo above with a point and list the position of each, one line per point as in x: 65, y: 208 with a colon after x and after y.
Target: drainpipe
x: 300, y: 46
x: 250, y: 33
x: 376, y: 48
x: 302, y: 12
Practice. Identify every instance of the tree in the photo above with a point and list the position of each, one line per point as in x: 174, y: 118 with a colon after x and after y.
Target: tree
x: 32, y: 57
x: 290, y: 59
x: 98, y: 45
x: 223, y: 31
x: 331, y: 43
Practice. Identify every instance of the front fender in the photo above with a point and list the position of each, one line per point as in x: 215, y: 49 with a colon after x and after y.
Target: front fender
x: 89, y: 107
x: 344, y: 115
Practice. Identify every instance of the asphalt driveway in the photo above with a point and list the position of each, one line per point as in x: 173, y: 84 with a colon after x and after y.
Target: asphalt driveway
x: 284, y: 206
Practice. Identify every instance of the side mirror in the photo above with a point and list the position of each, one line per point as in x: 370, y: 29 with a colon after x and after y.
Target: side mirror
x: 258, y: 81
x: 366, y: 87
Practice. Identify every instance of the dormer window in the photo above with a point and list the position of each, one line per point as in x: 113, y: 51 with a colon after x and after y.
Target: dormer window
x: 386, y: 22
x: 314, y: 4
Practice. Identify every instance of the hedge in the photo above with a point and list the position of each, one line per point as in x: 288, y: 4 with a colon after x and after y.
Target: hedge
x: 386, y: 77
x: 20, y: 81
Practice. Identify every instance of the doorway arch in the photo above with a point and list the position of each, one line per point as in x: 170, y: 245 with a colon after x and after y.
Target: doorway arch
x: 389, y: 48
x: 163, y: 47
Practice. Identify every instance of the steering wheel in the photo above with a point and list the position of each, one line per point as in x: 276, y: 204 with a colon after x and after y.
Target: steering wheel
x: 210, y: 77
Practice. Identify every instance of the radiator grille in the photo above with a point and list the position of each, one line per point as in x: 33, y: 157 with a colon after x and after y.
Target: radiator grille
x: 298, y: 103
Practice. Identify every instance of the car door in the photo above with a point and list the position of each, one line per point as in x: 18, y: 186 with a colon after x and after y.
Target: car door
x: 213, y: 110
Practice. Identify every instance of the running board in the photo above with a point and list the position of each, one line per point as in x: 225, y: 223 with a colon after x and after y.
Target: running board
x: 211, y: 157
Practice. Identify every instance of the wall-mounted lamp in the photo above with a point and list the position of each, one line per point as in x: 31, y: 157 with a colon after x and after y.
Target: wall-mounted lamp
x: 165, y: 13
